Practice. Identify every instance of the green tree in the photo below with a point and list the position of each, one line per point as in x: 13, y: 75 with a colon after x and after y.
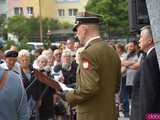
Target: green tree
x: 18, y: 26
x: 9, y: 43
x: 33, y: 22
x: 2, y: 21
x: 65, y: 25
x: 115, y: 15
x: 28, y: 29
x: 2, y: 25
x: 22, y: 44
x: 50, y: 25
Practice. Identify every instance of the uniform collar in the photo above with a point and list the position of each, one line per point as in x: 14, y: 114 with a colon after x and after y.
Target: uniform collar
x: 91, y: 39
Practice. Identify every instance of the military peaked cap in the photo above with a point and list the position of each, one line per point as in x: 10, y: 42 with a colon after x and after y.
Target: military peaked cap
x: 85, y: 17
x: 10, y: 53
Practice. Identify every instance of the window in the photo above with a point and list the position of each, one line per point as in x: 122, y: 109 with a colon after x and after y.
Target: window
x: 61, y: 12
x: 30, y: 11
x: 73, y: 12
x: 18, y: 11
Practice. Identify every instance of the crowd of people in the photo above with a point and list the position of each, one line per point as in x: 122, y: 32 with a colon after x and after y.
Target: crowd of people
x: 58, y: 64
x: 103, y: 76
x: 138, y: 96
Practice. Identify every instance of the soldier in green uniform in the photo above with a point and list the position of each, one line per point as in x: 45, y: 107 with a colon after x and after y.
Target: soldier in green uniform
x: 98, y: 73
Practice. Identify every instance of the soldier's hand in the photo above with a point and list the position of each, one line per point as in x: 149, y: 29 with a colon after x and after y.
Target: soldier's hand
x: 63, y: 94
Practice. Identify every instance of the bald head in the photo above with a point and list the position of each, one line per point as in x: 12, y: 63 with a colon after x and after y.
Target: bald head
x: 92, y: 30
x: 87, y: 31
x: 92, y: 27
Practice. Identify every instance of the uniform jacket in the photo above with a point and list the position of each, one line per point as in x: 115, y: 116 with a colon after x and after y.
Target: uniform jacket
x: 98, y: 76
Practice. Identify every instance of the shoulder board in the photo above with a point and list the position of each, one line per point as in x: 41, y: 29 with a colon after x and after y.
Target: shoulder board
x: 88, y: 46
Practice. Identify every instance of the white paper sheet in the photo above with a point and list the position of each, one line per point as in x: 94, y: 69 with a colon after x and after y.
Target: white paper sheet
x: 64, y: 87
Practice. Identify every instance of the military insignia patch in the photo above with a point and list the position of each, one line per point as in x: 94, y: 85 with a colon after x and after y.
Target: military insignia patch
x: 86, y: 64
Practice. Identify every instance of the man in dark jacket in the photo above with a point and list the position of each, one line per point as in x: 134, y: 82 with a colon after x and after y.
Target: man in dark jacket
x: 146, y: 95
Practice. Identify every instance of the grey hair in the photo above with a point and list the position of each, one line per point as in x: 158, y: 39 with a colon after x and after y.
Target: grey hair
x: 66, y: 53
x: 147, y: 30
x: 23, y: 52
x: 42, y: 57
x: 46, y: 52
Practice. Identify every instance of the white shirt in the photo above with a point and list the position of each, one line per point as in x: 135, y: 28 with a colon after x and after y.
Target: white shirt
x: 150, y: 50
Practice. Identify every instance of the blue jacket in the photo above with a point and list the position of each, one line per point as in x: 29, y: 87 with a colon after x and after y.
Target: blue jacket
x: 13, y: 98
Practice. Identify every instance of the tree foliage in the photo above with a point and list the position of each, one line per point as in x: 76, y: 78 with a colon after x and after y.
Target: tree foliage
x: 2, y: 26
x: 115, y: 15
x: 65, y: 25
x: 26, y: 29
x: 18, y: 25
x: 2, y: 21
x: 50, y: 24
x: 33, y: 22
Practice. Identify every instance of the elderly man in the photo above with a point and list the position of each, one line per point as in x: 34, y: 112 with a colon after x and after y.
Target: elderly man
x: 11, y: 61
x: 98, y: 74
x: 13, y: 98
x: 70, y: 46
x: 146, y: 95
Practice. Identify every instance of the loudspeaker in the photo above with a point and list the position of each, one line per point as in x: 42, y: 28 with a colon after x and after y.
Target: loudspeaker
x: 138, y: 15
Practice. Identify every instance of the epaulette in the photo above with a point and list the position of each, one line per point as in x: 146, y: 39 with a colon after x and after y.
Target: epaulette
x: 92, y: 42
x: 87, y: 46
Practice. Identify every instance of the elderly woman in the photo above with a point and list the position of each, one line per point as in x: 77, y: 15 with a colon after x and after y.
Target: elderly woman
x: 30, y: 84
x: 57, y: 55
x: 69, y: 68
x: 50, y: 58
x: 41, y: 62
x: 46, y: 108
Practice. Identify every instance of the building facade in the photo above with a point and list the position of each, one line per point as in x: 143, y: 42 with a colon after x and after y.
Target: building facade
x: 14, y: 7
x: 3, y: 7
x: 66, y: 10
x: 28, y: 8
x: 43, y: 8
x: 62, y: 10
